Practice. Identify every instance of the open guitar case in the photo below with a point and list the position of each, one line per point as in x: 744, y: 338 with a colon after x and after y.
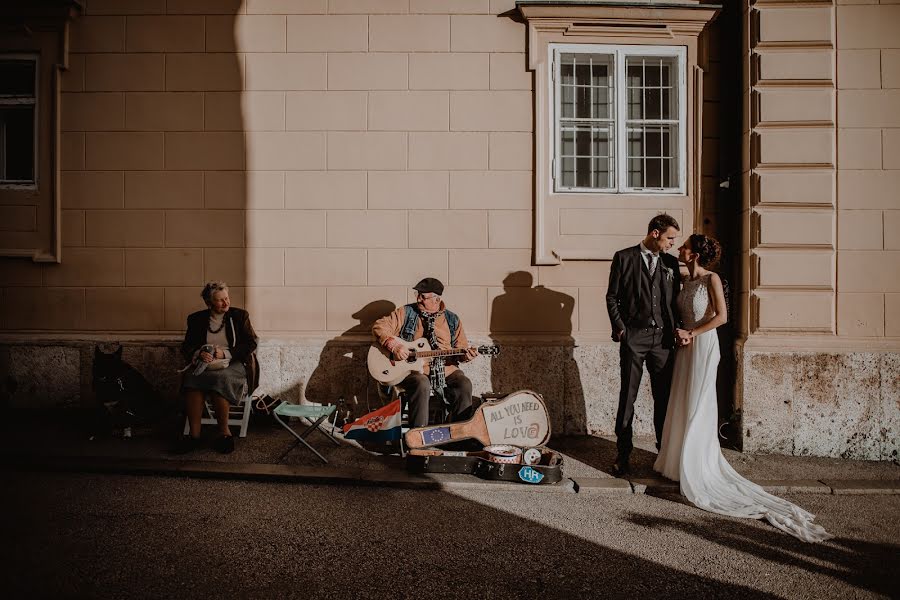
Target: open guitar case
x: 546, y: 470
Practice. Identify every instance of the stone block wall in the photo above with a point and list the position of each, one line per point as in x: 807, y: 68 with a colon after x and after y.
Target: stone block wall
x: 316, y: 155
x: 803, y: 403
x: 579, y: 384
x: 806, y: 403
x: 868, y: 93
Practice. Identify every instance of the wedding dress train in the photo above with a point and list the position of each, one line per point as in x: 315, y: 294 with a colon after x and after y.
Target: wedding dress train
x: 690, y: 451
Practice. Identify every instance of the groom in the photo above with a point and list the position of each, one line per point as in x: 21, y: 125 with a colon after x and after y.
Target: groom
x: 641, y: 301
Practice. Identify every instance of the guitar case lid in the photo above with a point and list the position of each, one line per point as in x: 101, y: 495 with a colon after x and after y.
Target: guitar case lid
x: 519, y: 419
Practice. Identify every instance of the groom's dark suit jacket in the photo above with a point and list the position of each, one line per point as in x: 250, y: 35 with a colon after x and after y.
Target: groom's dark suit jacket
x: 623, y: 296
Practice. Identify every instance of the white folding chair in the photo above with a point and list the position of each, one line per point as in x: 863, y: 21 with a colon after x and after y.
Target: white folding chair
x: 237, y: 415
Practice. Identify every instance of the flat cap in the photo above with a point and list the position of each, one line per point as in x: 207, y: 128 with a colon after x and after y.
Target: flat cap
x: 429, y: 284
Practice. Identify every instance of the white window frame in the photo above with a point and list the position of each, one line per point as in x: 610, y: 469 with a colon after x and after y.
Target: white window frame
x: 619, y: 52
x: 35, y: 126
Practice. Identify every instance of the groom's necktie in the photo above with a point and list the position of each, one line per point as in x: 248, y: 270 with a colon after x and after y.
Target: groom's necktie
x: 653, y: 258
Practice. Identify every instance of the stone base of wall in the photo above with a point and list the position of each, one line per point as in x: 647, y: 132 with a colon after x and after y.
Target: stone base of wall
x: 580, y: 385
x: 815, y: 403
x: 799, y: 403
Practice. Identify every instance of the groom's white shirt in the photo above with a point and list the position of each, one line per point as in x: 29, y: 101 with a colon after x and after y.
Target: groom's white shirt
x: 645, y: 254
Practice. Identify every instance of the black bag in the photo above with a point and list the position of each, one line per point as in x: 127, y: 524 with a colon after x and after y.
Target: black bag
x: 263, y: 409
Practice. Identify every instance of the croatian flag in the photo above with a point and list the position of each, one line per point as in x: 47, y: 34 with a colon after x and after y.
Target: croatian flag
x: 382, y: 425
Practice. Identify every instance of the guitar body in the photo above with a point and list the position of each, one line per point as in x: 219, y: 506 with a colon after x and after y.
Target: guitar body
x: 385, y: 369
x: 519, y: 419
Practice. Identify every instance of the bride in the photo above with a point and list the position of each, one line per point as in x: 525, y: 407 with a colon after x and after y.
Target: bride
x: 690, y: 451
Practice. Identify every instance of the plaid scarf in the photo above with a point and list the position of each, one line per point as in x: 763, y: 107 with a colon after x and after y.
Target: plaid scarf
x: 436, y: 374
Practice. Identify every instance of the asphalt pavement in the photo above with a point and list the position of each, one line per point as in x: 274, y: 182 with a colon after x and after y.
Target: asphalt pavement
x: 112, y: 518
x: 120, y: 536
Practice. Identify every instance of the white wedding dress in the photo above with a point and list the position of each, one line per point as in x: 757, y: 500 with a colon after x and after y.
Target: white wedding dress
x: 690, y: 451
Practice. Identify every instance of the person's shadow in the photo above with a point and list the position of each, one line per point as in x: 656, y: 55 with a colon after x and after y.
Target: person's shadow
x: 341, y: 372
x: 521, y: 313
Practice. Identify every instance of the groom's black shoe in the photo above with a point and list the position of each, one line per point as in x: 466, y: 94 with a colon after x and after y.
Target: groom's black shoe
x: 621, y: 468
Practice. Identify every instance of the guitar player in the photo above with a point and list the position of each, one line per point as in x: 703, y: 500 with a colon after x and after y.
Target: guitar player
x: 429, y: 318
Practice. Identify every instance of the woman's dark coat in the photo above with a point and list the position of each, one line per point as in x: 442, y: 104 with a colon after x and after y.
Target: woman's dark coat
x: 242, y: 340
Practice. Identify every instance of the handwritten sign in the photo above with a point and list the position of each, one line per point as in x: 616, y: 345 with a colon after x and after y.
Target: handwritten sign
x: 519, y: 419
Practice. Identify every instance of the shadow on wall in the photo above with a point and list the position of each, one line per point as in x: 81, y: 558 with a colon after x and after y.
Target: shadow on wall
x: 549, y: 369
x: 341, y: 369
x: 521, y: 311
x: 194, y: 195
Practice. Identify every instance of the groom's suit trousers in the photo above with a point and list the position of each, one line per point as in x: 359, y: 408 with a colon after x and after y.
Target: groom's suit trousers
x: 639, y: 345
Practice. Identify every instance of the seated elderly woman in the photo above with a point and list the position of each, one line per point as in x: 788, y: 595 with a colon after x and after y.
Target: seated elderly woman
x: 220, y: 343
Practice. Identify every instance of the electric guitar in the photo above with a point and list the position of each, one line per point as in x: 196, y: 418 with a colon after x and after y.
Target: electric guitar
x: 386, y: 369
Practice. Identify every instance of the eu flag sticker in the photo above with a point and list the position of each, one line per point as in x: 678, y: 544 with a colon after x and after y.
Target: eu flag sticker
x: 438, y: 435
x: 530, y: 475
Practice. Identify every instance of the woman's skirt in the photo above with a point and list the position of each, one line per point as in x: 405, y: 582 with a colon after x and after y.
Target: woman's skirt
x: 230, y: 382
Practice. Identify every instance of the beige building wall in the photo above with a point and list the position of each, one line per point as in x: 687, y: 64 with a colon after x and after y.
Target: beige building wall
x: 819, y: 359
x: 868, y: 178
x: 320, y: 156
x: 316, y: 155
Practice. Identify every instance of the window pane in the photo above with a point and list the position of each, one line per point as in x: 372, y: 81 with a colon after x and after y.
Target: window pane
x: 586, y: 86
x: 651, y: 72
x: 635, y: 103
x: 652, y: 159
x: 567, y: 72
x: 16, y: 77
x: 601, y: 71
x: 568, y: 142
x: 583, y: 141
x: 587, y: 157
x: 567, y: 102
x: 17, y: 137
x: 568, y: 171
x: 651, y: 88
x: 653, y: 105
x: 635, y: 173
x: 583, y: 172
x: 583, y: 70
x: 583, y: 102
x: 602, y: 173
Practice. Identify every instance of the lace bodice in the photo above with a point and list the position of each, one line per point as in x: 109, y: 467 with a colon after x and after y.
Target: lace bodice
x: 694, y: 306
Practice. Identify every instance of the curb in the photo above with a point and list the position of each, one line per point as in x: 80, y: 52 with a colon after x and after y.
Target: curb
x: 404, y: 480
x: 269, y: 472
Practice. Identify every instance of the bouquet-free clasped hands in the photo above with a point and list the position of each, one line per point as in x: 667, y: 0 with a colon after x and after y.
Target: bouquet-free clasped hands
x: 683, y: 337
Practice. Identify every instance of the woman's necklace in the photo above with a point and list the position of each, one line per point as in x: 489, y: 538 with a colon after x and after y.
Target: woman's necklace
x: 221, y: 325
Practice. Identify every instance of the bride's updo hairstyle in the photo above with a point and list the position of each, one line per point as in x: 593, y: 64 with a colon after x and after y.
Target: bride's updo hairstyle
x: 708, y: 248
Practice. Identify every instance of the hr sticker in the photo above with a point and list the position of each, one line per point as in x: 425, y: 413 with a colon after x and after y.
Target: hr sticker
x: 530, y: 475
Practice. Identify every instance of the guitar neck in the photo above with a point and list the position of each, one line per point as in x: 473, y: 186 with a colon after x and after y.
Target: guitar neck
x: 436, y: 353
